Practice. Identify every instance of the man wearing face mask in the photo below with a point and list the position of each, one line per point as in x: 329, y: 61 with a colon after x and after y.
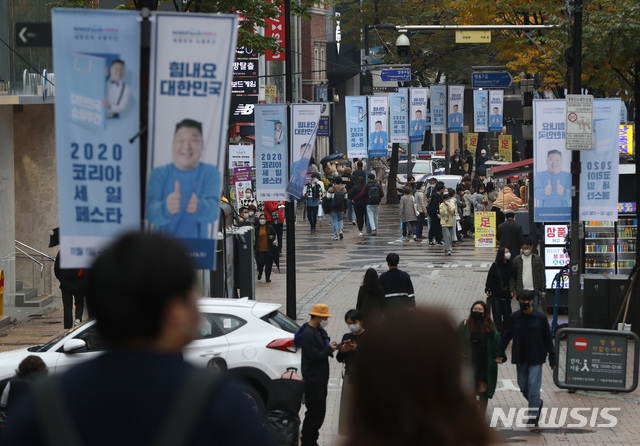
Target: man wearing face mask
x: 509, y: 233
x: 529, y: 275
x: 532, y: 342
x: 347, y: 356
x: 316, y: 347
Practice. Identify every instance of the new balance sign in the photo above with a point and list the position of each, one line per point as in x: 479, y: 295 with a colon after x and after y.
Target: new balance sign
x: 242, y: 108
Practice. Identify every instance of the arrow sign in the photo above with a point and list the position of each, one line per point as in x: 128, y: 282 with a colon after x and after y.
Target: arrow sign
x: 486, y: 79
x: 401, y: 75
x: 33, y: 34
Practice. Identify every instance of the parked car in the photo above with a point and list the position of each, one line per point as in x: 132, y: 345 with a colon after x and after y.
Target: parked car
x: 422, y: 169
x: 450, y: 181
x: 253, y: 338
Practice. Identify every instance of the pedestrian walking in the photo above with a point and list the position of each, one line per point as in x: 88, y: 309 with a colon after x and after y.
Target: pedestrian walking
x: 457, y: 165
x: 317, y: 348
x: 433, y: 209
x: 314, y: 192
x: 351, y: 218
x: 446, y: 214
x: 421, y: 206
x: 265, y: 247
x: 347, y: 355
x: 509, y: 233
x: 408, y: 395
x: 337, y: 194
x: 497, y: 287
x: 274, y: 211
x: 378, y: 166
x: 359, y: 205
x: 468, y: 213
x: 407, y: 208
x: 398, y: 288
x: 372, y: 194
x: 480, y: 339
x: 370, y: 300
x: 532, y: 342
x: 529, y: 275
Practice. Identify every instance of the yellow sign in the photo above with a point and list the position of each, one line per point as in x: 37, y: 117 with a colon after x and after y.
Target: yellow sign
x: 473, y: 36
x: 472, y: 143
x: 504, y: 148
x: 485, y: 230
x: 626, y: 139
x: 270, y: 91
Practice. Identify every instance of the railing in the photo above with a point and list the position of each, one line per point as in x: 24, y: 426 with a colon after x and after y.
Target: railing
x: 34, y: 268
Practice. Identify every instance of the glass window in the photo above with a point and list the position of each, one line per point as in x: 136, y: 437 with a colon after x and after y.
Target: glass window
x: 208, y: 328
x: 92, y: 338
x: 226, y: 323
x: 281, y: 321
x: 418, y: 168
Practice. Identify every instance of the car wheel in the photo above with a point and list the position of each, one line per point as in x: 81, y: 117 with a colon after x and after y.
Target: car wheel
x: 253, y: 398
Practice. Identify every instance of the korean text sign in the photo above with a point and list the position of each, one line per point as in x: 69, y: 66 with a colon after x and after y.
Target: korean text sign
x: 192, y: 59
x: 304, y: 129
x: 378, y: 122
x: 485, y: 234
x: 398, y: 115
x: 97, y: 62
x: 356, y: 113
x: 438, y: 109
x: 480, y: 107
x: 272, y: 160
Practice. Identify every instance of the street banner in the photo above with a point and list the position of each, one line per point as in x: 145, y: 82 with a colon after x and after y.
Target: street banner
x: 480, y: 109
x: 504, y: 148
x: 378, y: 124
x: 240, y: 155
x: 472, y: 143
x: 626, y: 139
x: 552, y: 178
x: 241, y: 174
x: 324, y: 126
x: 191, y: 64
x: 97, y: 63
x: 579, y: 125
x: 496, y: 99
x: 272, y: 159
x: 275, y: 27
x: 485, y: 229
x: 438, y: 109
x: 356, y: 113
x: 304, y: 128
x: 399, y: 115
x: 241, y: 190
x: 600, y: 167
x: 418, y: 113
x: 456, y: 108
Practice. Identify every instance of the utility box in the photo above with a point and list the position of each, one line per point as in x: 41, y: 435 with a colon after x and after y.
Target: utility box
x: 595, y: 306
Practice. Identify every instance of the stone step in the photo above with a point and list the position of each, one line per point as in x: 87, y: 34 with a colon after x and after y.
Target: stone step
x: 36, y: 301
x: 24, y: 295
x: 19, y: 285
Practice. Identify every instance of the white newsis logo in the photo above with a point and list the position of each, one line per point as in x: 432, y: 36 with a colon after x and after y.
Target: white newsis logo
x: 556, y: 417
x: 244, y: 109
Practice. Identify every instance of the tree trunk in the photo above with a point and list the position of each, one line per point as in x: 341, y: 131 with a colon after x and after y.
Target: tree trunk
x: 392, y: 190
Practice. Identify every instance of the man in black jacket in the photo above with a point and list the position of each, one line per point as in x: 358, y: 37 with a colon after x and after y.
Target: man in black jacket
x: 532, y: 341
x: 316, y: 350
x: 435, y: 228
x: 510, y: 234
x: 398, y: 288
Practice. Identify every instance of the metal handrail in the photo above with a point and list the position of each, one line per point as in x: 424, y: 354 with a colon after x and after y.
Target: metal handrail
x: 34, y: 250
x: 39, y: 263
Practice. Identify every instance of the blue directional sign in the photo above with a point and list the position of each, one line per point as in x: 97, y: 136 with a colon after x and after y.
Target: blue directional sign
x: 485, y: 79
x: 401, y: 75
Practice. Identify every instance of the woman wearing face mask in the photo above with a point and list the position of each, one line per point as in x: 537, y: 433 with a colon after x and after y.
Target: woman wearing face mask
x: 347, y: 356
x: 497, y: 287
x: 480, y: 339
x: 266, y: 247
x: 249, y: 199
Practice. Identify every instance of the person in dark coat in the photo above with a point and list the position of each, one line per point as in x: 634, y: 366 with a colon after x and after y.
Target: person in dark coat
x: 510, y: 233
x: 347, y: 356
x: 359, y: 205
x: 266, y: 247
x: 399, y: 295
x: 370, y: 298
x: 31, y: 368
x: 497, y: 287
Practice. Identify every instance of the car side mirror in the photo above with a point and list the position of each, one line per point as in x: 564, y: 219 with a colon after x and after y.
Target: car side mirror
x: 73, y: 345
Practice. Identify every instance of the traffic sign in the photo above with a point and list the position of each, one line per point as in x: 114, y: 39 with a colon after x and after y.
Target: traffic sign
x: 473, y: 36
x: 401, y: 75
x: 579, y: 129
x: 33, y: 34
x: 581, y: 344
x: 489, y: 79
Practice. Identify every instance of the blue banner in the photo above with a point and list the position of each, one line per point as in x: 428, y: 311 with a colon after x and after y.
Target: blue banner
x: 399, y: 112
x: 456, y: 108
x: 418, y: 123
x: 480, y: 108
x: 190, y: 94
x: 439, y: 109
x: 304, y: 129
x: 378, y: 136
x: 496, y: 98
x: 97, y: 63
x: 356, y: 114
x: 272, y: 161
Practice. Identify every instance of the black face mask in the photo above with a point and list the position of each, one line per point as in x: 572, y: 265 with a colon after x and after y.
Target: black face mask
x: 477, y: 315
x: 524, y: 306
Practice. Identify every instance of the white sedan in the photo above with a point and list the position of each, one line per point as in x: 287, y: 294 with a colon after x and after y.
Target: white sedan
x: 253, y: 338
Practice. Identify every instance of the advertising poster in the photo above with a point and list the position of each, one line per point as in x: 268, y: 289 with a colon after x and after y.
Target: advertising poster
x: 399, y: 114
x: 378, y: 124
x: 600, y: 167
x: 418, y: 113
x: 626, y: 139
x: 555, y: 234
x: 191, y: 63
x: 97, y: 63
x: 272, y: 159
x: 356, y: 113
x: 552, y: 162
x: 485, y: 234
x: 456, y: 108
x: 324, y: 127
x: 241, y: 189
x: 496, y: 98
x: 480, y: 109
x: 240, y: 155
x: 555, y: 257
x: 439, y: 109
x: 304, y: 128
x: 472, y: 143
x: 504, y: 148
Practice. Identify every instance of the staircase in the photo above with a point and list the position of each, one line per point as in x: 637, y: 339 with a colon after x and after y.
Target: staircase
x: 28, y: 297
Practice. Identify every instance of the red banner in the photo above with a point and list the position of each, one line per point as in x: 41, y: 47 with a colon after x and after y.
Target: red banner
x: 275, y: 28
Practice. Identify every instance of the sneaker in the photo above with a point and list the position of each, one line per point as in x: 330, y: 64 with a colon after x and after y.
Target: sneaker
x: 448, y: 253
x: 268, y: 280
x: 353, y: 222
x: 259, y: 276
x: 335, y: 237
x: 341, y: 235
x: 375, y: 232
x: 440, y: 243
x: 415, y: 238
x: 432, y: 243
x: 76, y: 322
x: 359, y: 234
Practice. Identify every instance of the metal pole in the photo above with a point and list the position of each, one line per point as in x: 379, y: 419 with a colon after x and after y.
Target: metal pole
x: 145, y: 55
x: 575, y: 295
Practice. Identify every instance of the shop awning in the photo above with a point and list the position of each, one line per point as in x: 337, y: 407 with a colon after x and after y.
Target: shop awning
x: 512, y: 169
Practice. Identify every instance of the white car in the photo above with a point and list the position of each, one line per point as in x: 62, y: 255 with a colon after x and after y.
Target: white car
x: 422, y: 169
x: 253, y: 338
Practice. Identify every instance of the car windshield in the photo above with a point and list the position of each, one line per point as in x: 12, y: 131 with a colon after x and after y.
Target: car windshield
x: 440, y: 163
x: 47, y: 346
x: 281, y: 321
x: 418, y: 168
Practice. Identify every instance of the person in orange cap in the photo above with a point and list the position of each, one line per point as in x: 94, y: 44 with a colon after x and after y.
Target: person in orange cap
x: 316, y: 350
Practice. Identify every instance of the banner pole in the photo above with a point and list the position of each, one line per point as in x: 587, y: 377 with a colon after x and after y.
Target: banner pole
x: 145, y: 55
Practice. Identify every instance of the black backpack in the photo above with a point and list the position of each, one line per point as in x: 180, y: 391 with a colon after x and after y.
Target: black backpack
x: 374, y: 196
x: 338, y: 200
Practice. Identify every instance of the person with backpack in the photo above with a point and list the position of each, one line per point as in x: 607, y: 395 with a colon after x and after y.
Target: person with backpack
x: 372, y: 194
x: 359, y: 204
x: 314, y: 192
x: 337, y: 194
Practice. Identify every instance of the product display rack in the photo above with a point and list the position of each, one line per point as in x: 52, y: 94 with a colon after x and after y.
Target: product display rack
x: 626, y: 248
x: 610, y: 247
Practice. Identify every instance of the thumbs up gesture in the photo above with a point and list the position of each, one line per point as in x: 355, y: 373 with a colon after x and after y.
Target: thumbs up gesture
x: 559, y: 188
x: 173, y: 199
x: 548, y: 189
x: 192, y: 206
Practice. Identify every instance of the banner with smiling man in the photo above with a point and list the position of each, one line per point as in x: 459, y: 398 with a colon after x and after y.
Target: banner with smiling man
x: 378, y: 138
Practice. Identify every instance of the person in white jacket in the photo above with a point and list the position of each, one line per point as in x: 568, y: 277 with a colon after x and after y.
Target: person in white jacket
x: 447, y: 212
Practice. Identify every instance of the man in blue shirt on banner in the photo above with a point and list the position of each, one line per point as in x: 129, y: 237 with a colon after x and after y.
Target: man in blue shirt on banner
x: 417, y: 127
x: 183, y: 197
x: 378, y: 140
x: 495, y: 120
x: 553, y: 187
x: 455, y: 118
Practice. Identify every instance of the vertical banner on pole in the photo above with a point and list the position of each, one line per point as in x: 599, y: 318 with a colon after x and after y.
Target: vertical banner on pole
x: 356, y: 114
x: 600, y: 166
x: 472, y: 143
x: 399, y: 112
x: 439, y: 109
x: 272, y: 159
x: 480, y: 107
x: 418, y: 113
x: 304, y: 129
x: 97, y: 111
x: 485, y: 232
x: 190, y: 92
x: 456, y: 108
x: 496, y: 98
x: 505, y: 148
x: 378, y: 114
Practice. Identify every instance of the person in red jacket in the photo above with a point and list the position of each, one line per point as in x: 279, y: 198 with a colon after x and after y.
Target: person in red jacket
x: 274, y: 211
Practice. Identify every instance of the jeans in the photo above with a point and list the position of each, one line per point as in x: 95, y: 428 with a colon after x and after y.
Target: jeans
x: 530, y: 381
x: 336, y: 221
x: 448, y: 234
x: 312, y: 215
x: 435, y: 228
x: 350, y: 210
x: 67, y: 304
x: 406, y: 225
x: 315, y: 397
x: 372, y: 214
x: 420, y: 225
